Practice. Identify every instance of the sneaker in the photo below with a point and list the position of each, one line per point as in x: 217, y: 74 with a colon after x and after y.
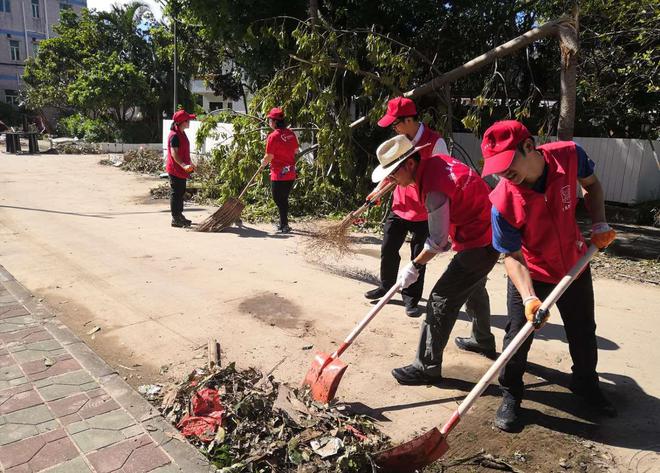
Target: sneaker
x: 179, y: 223
x: 285, y: 229
x: 507, y: 414
x: 186, y: 221
x: 414, y: 311
x: 411, y: 376
x: 469, y: 344
x: 596, y: 400
x: 375, y: 293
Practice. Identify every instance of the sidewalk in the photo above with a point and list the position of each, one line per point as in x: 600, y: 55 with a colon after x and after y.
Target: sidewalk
x: 64, y: 410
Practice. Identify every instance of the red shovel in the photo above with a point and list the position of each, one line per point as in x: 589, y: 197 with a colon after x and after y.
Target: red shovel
x: 427, y: 448
x: 327, y: 370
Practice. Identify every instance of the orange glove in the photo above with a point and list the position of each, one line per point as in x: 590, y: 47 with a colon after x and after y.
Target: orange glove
x: 602, y: 235
x: 532, y: 305
x: 189, y: 168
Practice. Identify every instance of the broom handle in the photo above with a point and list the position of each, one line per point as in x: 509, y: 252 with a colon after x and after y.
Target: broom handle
x: 261, y: 168
x: 525, y: 332
x: 365, y: 321
x: 369, y: 203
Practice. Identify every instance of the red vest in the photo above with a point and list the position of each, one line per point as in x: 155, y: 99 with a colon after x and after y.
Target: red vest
x: 551, y: 239
x: 405, y: 202
x: 469, y: 208
x: 282, y: 144
x: 171, y: 167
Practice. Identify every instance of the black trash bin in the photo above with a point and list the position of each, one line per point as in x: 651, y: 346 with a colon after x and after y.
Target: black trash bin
x: 33, y: 143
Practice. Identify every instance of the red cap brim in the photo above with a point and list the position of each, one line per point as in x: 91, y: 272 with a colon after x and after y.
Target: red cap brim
x: 386, y: 121
x: 498, y: 163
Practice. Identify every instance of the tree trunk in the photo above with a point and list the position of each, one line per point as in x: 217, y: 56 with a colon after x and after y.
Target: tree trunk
x: 313, y: 10
x: 569, y: 46
x: 548, y: 29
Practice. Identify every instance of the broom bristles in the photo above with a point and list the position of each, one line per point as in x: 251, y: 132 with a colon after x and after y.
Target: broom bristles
x: 331, y: 239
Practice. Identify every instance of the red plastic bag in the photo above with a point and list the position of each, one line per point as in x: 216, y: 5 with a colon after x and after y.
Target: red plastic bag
x: 207, y: 416
x: 203, y: 428
x: 206, y: 401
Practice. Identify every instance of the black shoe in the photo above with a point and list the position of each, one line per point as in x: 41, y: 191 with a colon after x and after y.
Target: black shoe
x: 284, y: 229
x: 375, y: 293
x: 469, y: 344
x: 596, y: 400
x: 186, y: 221
x: 411, y: 376
x: 414, y: 310
x: 507, y: 414
x: 178, y: 223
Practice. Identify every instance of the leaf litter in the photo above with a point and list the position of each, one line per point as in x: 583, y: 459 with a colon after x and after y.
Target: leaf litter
x: 244, y: 421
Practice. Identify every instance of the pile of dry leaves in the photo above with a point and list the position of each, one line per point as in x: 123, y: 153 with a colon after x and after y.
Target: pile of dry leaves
x: 244, y: 421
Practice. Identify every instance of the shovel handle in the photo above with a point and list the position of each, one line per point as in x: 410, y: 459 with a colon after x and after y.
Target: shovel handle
x: 518, y: 340
x: 365, y: 321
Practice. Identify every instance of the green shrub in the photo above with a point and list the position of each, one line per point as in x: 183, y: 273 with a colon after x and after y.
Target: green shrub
x: 92, y: 130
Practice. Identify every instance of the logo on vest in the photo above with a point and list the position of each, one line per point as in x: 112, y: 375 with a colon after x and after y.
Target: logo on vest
x: 566, y: 197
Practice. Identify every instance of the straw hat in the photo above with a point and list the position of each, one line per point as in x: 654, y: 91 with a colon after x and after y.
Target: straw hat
x: 391, y: 153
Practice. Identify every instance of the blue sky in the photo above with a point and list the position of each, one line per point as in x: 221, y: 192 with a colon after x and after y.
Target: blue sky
x: 107, y: 4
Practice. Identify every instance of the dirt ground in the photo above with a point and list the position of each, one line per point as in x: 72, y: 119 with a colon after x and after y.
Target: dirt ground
x: 89, y: 241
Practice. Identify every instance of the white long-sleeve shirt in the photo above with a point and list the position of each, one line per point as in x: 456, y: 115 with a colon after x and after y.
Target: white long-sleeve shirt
x: 437, y: 206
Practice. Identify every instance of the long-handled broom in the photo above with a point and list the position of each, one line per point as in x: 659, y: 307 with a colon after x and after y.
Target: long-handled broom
x: 230, y: 211
x: 334, y: 238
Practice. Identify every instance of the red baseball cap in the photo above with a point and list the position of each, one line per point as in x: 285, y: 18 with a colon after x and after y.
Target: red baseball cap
x: 397, y: 107
x: 276, y: 113
x: 181, y: 116
x: 498, y: 146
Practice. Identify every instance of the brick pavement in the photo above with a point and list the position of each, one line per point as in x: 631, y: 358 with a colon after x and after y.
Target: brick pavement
x: 64, y: 410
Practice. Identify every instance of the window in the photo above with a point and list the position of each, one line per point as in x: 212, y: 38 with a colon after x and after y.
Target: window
x: 11, y: 96
x: 14, y: 49
x: 215, y: 106
x: 5, y: 6
x: 35, y: 9
x: 35, y: 47
x: 63, y: 6
x: 230, y: 105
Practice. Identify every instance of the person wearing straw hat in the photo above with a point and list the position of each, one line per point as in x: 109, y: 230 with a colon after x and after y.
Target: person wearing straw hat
x: 281, y: 149
x: 456, y: 200
x: 534, y: 225
x: 408, y: 214
x: 178, y: 165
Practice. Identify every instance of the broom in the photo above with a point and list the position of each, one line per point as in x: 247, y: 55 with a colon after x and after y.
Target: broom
x: 335, y: 237
x: 230, y: 211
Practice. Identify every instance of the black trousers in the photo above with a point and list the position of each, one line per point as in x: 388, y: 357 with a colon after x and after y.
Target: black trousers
x: 394, y: 236
x: 177, y: 192
x: 281, y: 191
x: 463, y: 282
x: 576, y: 307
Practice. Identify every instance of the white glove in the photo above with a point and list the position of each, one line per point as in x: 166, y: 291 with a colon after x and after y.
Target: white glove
x: 407, y: 275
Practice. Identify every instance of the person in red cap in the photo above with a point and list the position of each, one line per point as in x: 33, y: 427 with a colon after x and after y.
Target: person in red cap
x: 534, y: 225
x: 178, y: 165
x: 281, y: 148
x: 407, y: 214
x: 456, y: 200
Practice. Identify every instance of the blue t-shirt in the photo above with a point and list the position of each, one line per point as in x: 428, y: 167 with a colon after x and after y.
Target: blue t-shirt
x: 507, y: 238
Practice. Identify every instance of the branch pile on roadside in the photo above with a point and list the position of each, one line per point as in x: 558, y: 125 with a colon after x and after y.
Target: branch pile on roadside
x: 245, y: 421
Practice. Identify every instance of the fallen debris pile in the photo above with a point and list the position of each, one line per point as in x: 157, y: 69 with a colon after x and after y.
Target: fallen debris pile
x: 145, y: 161
x: 78, y: 147
x: 245, y: 421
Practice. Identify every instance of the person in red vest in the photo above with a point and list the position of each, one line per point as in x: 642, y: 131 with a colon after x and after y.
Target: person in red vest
x: 281, y: 149
x: 408, y: 214
x: 534, y: 225
x: 178, y: 165
x: 456, y: 200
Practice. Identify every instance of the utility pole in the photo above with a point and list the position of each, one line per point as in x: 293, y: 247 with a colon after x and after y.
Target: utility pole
x: 176, y: 53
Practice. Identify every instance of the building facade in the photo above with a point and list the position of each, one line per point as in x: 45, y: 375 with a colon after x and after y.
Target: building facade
x: 23, y: 24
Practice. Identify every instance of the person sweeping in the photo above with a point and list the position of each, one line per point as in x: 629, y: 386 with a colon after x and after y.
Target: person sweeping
x: 408, y: 214
x: 456, y: 200
x: 178, y: 165
x: 281, y: 148
x: 534, y: 225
